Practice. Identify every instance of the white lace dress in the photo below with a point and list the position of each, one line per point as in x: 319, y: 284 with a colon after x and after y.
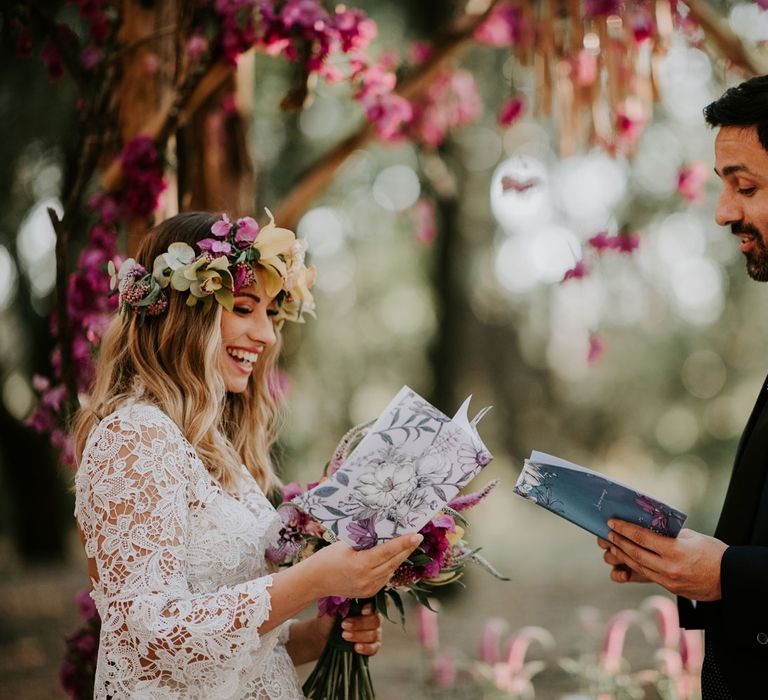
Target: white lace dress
x: 183, y: 584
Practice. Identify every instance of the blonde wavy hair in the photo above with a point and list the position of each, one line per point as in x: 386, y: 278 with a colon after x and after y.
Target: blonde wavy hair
x: 175, y: 357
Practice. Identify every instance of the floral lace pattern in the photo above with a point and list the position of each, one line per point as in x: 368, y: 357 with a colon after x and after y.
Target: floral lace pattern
x: 182, y: 582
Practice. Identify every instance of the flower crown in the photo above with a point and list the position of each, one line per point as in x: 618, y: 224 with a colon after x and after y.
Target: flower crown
x: 227, y: 262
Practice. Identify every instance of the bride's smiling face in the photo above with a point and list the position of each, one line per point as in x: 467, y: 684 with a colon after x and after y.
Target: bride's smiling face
x: 246, y: 332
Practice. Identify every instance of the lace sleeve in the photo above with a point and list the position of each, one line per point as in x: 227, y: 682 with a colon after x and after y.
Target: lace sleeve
x: 134, y: 489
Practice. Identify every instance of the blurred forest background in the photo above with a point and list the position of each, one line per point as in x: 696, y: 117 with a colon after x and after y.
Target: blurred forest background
x: 466, y: 259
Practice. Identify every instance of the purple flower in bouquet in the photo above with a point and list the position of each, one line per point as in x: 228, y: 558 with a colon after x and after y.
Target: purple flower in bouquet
x: 333, y: 605
x: 363, y: 533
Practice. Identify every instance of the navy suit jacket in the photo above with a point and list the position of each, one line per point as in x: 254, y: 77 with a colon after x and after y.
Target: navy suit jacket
x: 737, y: 625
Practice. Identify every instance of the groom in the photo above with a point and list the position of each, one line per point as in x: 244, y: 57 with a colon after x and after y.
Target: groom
x: 722, y: 581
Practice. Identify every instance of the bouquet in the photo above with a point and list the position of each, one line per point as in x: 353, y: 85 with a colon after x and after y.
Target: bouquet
x: 377, y: 486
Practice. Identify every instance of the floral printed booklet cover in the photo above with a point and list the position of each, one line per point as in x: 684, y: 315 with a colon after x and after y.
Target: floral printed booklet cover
x: 412, y: 461
x: 590, y: 499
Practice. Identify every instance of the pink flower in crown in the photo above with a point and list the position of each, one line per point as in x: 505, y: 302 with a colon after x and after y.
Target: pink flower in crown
x: 222, y: 227
x: 247, y: 230
x: 211, y: 245
x: 511, y: 110
x: 243, y: 276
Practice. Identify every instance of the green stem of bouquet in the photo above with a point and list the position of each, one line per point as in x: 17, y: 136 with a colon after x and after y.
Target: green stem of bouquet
x: 340, y: 672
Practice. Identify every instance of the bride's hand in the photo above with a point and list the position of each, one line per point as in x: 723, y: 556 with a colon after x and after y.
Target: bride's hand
x: 339, y: 570
x: 364, y: 631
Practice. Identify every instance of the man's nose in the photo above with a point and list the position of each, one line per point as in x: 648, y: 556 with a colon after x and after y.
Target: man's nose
x: 727, y: 211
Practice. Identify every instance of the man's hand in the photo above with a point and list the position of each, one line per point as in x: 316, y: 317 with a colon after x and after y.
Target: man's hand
x: 688, y: 565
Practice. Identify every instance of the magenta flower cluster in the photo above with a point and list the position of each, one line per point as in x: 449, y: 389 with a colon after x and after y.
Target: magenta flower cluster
x: 142, y: 177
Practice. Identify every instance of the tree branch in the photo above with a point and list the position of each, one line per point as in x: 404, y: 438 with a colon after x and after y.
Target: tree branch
x: 190, y: 95
x: 723, y: 37
x: 319, y: 176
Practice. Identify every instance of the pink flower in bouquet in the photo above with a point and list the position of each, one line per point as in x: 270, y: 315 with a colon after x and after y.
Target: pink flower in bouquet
x: 470, y: 500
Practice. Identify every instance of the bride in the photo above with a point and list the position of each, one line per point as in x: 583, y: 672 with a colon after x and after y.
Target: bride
x: 173, y: 449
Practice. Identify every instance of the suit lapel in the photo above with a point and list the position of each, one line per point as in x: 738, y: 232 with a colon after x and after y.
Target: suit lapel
x: 746, y: 486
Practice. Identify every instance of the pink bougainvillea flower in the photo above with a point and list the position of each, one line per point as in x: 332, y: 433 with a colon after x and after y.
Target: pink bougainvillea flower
x: 420, y: 52
x: 596, y: 349
x: 511, y: 110
x: 577, y: 272
x: 602, y: 8
x: 690, y: 182
x: 197, y: 46
x: 503, y: 26
x: 642, y: 24
x: 91, y: 57
x: 601, y: 241
x: 423, y: 217
x: 626, y: 243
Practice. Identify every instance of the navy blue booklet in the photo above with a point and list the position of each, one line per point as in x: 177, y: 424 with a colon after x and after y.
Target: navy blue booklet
x: 589, y: 499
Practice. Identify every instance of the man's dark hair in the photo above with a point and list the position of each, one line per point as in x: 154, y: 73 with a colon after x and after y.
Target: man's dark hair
x: 744, y: 105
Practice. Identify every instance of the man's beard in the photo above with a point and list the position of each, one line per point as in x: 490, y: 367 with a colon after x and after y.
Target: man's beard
x: 757, y: 258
